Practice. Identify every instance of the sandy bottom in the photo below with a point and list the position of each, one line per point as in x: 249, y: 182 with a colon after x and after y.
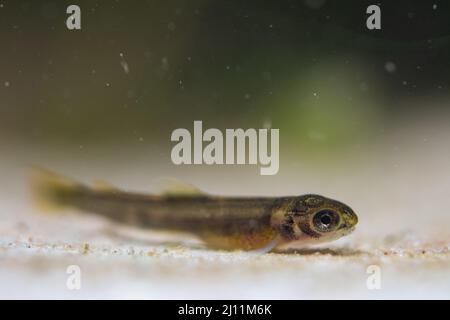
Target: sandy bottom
x: 34, y: 262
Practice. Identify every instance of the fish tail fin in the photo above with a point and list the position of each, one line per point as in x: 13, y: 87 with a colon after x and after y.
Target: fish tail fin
x: 51, y: 191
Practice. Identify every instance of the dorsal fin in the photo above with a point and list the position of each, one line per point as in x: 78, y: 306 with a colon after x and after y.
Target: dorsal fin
x: 177, y: 188
x: 101, y: 185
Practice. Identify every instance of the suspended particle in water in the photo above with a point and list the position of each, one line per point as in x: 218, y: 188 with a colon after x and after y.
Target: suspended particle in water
x: 390, y: 67
x: 171, y: 26
x: 124, y: 64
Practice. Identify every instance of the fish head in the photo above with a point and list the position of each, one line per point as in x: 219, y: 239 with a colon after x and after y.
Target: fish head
x: 315, y: 219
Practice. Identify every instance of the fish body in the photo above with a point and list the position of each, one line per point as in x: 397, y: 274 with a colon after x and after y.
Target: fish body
x: 231, y: 223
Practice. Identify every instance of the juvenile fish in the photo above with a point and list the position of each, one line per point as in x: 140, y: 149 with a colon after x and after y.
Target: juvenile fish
x: 231, y: 223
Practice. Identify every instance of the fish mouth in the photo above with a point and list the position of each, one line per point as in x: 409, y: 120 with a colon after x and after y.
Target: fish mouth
x: 355, y: 220
x: 351, y: 221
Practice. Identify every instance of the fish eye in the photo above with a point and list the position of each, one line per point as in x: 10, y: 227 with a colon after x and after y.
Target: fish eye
x: 326, y: 220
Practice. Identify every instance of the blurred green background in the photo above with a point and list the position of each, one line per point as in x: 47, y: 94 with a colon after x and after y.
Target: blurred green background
x: 139, y: 69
